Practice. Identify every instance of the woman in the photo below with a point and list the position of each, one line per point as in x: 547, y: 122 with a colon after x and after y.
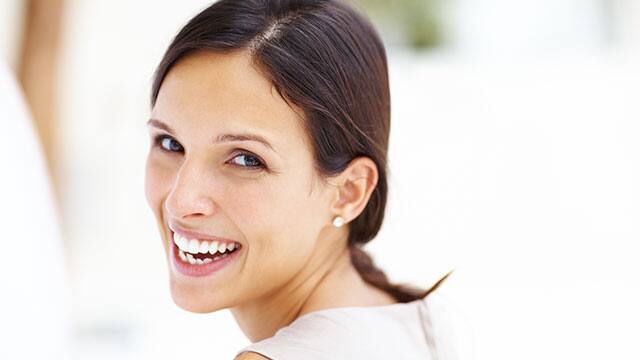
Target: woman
x: 267, y: 173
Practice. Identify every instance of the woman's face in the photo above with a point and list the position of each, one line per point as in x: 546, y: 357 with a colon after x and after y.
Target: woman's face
x: 203, y: 176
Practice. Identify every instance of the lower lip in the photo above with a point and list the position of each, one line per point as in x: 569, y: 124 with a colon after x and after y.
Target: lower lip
x: 188, y: 269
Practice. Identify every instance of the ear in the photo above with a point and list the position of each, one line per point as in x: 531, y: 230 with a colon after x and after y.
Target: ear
x: 354, y: 187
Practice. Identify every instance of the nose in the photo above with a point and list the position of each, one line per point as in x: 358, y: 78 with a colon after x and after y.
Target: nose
x: 190, y: 194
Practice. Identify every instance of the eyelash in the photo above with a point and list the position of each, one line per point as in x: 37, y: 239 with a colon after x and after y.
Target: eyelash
x: 157, y: 141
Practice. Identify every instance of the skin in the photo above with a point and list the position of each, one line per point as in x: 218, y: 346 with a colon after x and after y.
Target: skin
x: 293, y: 260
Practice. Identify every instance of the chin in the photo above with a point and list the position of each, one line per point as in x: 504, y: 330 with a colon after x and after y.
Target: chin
x: 194, y: 301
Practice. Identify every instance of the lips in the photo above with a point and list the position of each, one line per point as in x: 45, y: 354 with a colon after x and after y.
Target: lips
x: 200, y: 264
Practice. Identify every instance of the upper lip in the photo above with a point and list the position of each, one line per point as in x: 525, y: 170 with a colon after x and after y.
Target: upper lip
x: 190, y: 234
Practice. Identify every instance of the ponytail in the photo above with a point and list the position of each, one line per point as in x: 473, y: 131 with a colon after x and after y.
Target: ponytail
x: 373, y: 275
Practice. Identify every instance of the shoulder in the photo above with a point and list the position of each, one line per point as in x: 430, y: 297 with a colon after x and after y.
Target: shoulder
x: 317, y: 336
x: 346, y: 333
x: 249, y: 355
x: 450, y: 326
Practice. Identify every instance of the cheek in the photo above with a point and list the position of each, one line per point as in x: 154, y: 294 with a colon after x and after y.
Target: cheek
x: 280, y: 223
x: 274, y: 213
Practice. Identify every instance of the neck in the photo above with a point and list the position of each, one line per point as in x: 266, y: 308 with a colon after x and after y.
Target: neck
x: 326, y: 282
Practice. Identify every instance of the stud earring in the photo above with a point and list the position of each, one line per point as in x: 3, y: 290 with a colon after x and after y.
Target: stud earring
x: 338, y: 221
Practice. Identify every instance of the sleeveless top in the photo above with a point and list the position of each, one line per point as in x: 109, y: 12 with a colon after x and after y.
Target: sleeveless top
x: 420, y: 329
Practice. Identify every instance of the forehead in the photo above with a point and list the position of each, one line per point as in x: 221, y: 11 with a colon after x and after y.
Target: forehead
x: 209, y: 93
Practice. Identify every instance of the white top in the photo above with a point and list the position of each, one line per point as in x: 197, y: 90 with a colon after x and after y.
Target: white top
x: 403, y: 331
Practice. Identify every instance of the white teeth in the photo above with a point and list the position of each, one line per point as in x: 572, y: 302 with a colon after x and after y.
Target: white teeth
x: 180, y: 242
x: 183, y: 244
x: 204, y: 247
x: 188, y: 248
x: 213, y: 248
x: 194, y: 246
x: 186, y: 257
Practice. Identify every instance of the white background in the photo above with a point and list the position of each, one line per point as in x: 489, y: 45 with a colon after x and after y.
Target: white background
x: 514, y: 159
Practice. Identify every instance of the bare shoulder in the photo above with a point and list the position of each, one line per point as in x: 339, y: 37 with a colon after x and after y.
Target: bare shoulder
x: 248, y: 355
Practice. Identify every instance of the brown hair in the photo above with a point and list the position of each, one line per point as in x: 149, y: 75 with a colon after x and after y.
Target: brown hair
x: 328, y: 60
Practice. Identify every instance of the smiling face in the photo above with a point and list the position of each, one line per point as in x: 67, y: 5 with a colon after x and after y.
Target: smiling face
x: 201, y: 175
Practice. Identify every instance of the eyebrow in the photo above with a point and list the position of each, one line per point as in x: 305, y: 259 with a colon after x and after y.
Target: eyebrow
x: 220, y: 138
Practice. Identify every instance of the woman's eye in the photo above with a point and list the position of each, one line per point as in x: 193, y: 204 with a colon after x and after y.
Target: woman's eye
x: 167, y: 143
x: 245, y: 160
x: 248, y: 161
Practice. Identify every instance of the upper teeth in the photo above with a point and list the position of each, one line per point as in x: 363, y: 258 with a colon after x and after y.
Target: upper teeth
x: 195, y: 246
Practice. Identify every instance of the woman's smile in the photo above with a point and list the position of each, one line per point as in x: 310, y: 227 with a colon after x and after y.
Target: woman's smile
x: 196, y: 254
x: 257, y: 149
x: 230, y: 169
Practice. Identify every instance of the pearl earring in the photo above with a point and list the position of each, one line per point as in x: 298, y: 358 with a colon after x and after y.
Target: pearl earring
x: 338, y: 221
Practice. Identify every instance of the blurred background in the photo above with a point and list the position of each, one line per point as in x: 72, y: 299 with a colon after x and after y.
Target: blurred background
x: 514, y: 159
